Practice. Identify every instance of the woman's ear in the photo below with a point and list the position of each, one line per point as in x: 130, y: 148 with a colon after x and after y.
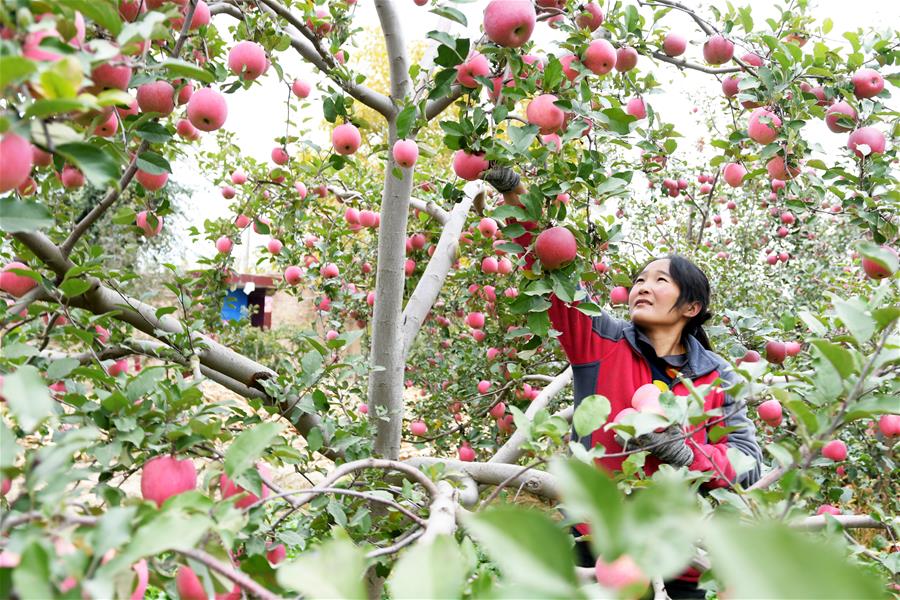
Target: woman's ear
x: 692, y: 310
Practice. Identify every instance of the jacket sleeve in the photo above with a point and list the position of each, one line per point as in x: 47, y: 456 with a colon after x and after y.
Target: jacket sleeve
x: 714, y: 457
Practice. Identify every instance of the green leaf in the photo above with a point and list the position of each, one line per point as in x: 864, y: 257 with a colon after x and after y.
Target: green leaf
x: 179, y: 68
x: 333, y: 570
x: 591, y: 414
x: 98, y: 166
x: 590, y: 309
x: 28, y: 397
x: 74, y: 287
x: 62, y: 367
x: 14, y: 69
x: 153, y: 132
x: 539, y: 323
x: 589, y: 494
x: 153, y: 163
x: 20, y: 215
x: 101, y: 12
x: 837, y: 356
x: 32, y: 577
x: 770, y: 560
x: 451, y: 13
x: 246, y: 449
x: 437, y: 570
x: 853, y: 314
x: 529, y: 548
x: 405, y: 121
x: 880, y: 255
x: 9, y: 449
x: 113, y: 529
x: 169, y: 530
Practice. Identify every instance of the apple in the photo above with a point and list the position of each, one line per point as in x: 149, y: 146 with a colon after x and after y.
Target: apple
x: 185, y: 129
x: 730, y: 86
x: 600, y: 57
x: 142, y: 220
x: 18, y: 158
x: 488, y: 227
x: 469, y: 166
x: 555, y: 247
x: 545, y: 114
x: 38, y: 156
x: 150, y: 181
x: 279, y: 155
x: 331, y: 334
x: 330, y: 270
x: 866, y: 136
x: 274, y: 246
x: 405, y: 153
x: 509, y: 23
x: 793, y: 348
x: 475, y: 320
x: 591, y: 17
x: 238, y: 177
x: 476, y: 65
x: 777, y: 169
x: 505, y: 266
x: 130, y: 9
x: 465, y: 453
x: 834, y: 114
x: 875, y: 270
x: 635, y: 107
x: 301, y: 88
x: 199, y: 19
x: 484, y: 386
x: 618, y: 295
x: 770, y: 411
x: 889, y: 425
x: 489, y: 265
x: 409, y: 267
x: 775, y: 351
x: 113, y: 74
x: 734, y: 174
x: 620, y: 573
x: 227, y: 192
x: 224, y: 244
x: 71, y: 178
x: 165, y: 476
x: 370, y: 298
x: 566, y: 61
x: 646, y: 399
x: 102, y: 334
x: 867, y: 83
x: 763, y: 126
x: 828, y: 509
x: 189, y: 585
x: 674, y: 44
x: 418, y: 428
x: 788, y: 218
x: 718, y: 50
x: 14, y: 284
x: 207, y: 109
x: 346, y: 139
x: 247, y: 60
x: 275, y: 554
x: 836, y: 450
x: 626, y: 59
x: 322, y: 25
x: 230, y: 488
x: 156, y: 97
x: 498, y: 410
x: 293, y: 275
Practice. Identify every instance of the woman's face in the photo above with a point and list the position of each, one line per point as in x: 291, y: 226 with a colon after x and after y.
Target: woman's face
x: 651, y: 300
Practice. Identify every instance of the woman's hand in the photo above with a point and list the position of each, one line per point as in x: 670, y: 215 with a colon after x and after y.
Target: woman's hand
x: 667, y: 445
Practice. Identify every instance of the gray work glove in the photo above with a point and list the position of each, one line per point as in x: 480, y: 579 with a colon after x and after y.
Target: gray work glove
x: 668, y: 446
x: 503, y: 179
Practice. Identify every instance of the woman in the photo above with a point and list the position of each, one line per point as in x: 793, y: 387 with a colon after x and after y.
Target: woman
x: 668, y: 304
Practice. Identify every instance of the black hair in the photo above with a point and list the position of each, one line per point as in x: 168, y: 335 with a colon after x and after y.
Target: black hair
x: 693, y: 286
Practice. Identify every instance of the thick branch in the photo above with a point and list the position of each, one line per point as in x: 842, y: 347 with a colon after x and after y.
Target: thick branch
x: 539, y: 483
x: 429, y: 287
x: 442, y: 517
x: 431, y: 207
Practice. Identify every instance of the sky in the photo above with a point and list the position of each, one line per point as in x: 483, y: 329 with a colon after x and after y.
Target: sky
x: 257, y: 115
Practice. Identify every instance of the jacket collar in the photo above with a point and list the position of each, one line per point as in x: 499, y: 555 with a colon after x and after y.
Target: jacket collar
x: 700, y: 361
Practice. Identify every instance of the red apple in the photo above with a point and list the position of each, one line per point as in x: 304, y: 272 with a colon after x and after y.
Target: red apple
x: 828, y: 509
x: 626, y: 59
x: 230, y: 488
x: 346, y: 139
x: 635, y: 107
x: 418, y: 428
x: 247, y: 60
x: 152, y: 182
x: 275, y: 554
x: 300, y: 88
x: 207, y: 109
x: 889, y: 425
x: 468, y: 166
x: 718, y: 50
x: 730, y: 86
x: 770, y: 411
x: 836, y: 450
x: 475, y: 320
x: 763, y: 126
x: 142, y: 220
x: 509, y: 23
x: 112, y: 74
x: 293, y: 275
x: 189, y: 585
x: 868, y: 136
x: 600, y: 57
x: 17, y: 159
x: 165, y: 476
x: 793, y: 348
x: 875, y: 270
x: 555, y: 247
x: 777, y: 169
x: 674, y: 44
x: 498, y: 410
x: 620, y: 573
x: 775, y: 351
x: 224, y: 244
x: 405, y: 153
x: 156, y: 97
x: 476, y: 65
x: 14, y: 284
x: 867, y: 83
x: 488, y: 227
x: 591, y: 17
x: 618, y: 295
x: 545, y: 114
x: 484, y: 386
x: 834, y: 114
x: 465, y: 452
x: 646, y: 399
